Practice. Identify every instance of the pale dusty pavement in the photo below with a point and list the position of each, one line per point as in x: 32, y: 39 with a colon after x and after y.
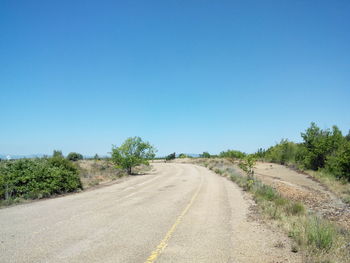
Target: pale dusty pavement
x: 125, y: 222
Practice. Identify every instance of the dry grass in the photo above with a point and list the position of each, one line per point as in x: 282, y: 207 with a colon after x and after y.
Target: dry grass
x: 341, y: 188
x: 94, y: 172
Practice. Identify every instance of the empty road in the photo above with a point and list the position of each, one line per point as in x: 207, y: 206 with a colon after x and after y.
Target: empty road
x: 176, y: 213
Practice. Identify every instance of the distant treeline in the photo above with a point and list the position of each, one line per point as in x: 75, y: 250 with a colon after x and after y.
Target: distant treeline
x: 325, y: 149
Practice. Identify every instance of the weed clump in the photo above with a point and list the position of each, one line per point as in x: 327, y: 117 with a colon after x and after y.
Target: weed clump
x: 295, y: 209
x: 266, y: 192
x: 320, y: 233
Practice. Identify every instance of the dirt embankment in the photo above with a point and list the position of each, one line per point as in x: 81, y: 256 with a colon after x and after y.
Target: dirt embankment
x: 301, y: 187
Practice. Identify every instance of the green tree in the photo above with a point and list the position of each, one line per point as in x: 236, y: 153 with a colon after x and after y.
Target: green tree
x: 338, y: 163
x: 233, y: 154
x: 318, y: 144
x: 171, y: 156
x: 96, y: 157
x: 57, y: 153
x: 182, y: 155
x: 347, y: 137
x: 73, y: 156
x: 205, y: 155
x: 284, y: 152
x: 132, y: 152
x: 260, y: 153
x: 247, y: 165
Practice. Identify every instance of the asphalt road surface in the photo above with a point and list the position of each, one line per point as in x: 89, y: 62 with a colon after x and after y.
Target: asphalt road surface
x: 176, y: 213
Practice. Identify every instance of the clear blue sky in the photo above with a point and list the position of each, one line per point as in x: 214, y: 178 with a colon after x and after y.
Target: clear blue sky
x: 188, y: 76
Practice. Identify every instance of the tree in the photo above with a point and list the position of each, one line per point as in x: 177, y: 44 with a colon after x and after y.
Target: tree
x: 132, y: 152
x: 73, y: 156
x: 318, y: 144
x: 171, y: 156
x: 247, y: 165
x: 347, y: 137
x: 182, y: 155
x: 96, y: 157
x: 338, y: 163
x: 57, y: 153
x: 284, y: 152
x: 205, y: 155
x: 233, y: 154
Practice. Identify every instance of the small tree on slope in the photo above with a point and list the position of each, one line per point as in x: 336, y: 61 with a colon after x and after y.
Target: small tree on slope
x: 132, y: 152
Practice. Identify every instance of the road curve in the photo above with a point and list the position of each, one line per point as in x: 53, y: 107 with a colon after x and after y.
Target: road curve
x: 177, y: 213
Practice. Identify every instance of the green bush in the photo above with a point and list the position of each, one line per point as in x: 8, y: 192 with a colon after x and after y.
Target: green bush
x: 171, y: 156
x: 205, y: 155
x: 37, y: 178
x: 266, y: 192
x: 338, y: 164
x: 232, y: 154
x: 284, y: 152
x: 321, y: 149
x: 57, y: 153
x: 182, y: 155
x: 73, y: 156
x: 319, y: 144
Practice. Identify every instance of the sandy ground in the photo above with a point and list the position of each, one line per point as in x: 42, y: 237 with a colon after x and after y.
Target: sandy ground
x: 187, y: 211
x: 301, y: 187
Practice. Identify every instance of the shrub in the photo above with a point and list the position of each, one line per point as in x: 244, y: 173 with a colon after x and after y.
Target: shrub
x: 338, y: 163
x: 266, y: 192
x: 182, y: 155
x: 283, y: 152
x: 232, y: 154
x: 73, y: 156
x: 321, y: 149
x: 57, y: 153
x: 247, y: 165
x: 171, y: 156
x: 318, y: 145
x: 38, y: 178
x: 205, y: 155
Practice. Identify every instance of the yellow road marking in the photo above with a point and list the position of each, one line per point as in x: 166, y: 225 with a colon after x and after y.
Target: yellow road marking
x: 163, y: 244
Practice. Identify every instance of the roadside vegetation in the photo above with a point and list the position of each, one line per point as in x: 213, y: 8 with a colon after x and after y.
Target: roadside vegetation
x: 323, y: 154
x: 28, y: 179
x: 317, y: 238
x: 37, y: 178
x: 321, y: 150
x: 170, y: 157
x: 132, y: 152
x: 232, y: 154
x: 73, y: 156
x: 94, y: 172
